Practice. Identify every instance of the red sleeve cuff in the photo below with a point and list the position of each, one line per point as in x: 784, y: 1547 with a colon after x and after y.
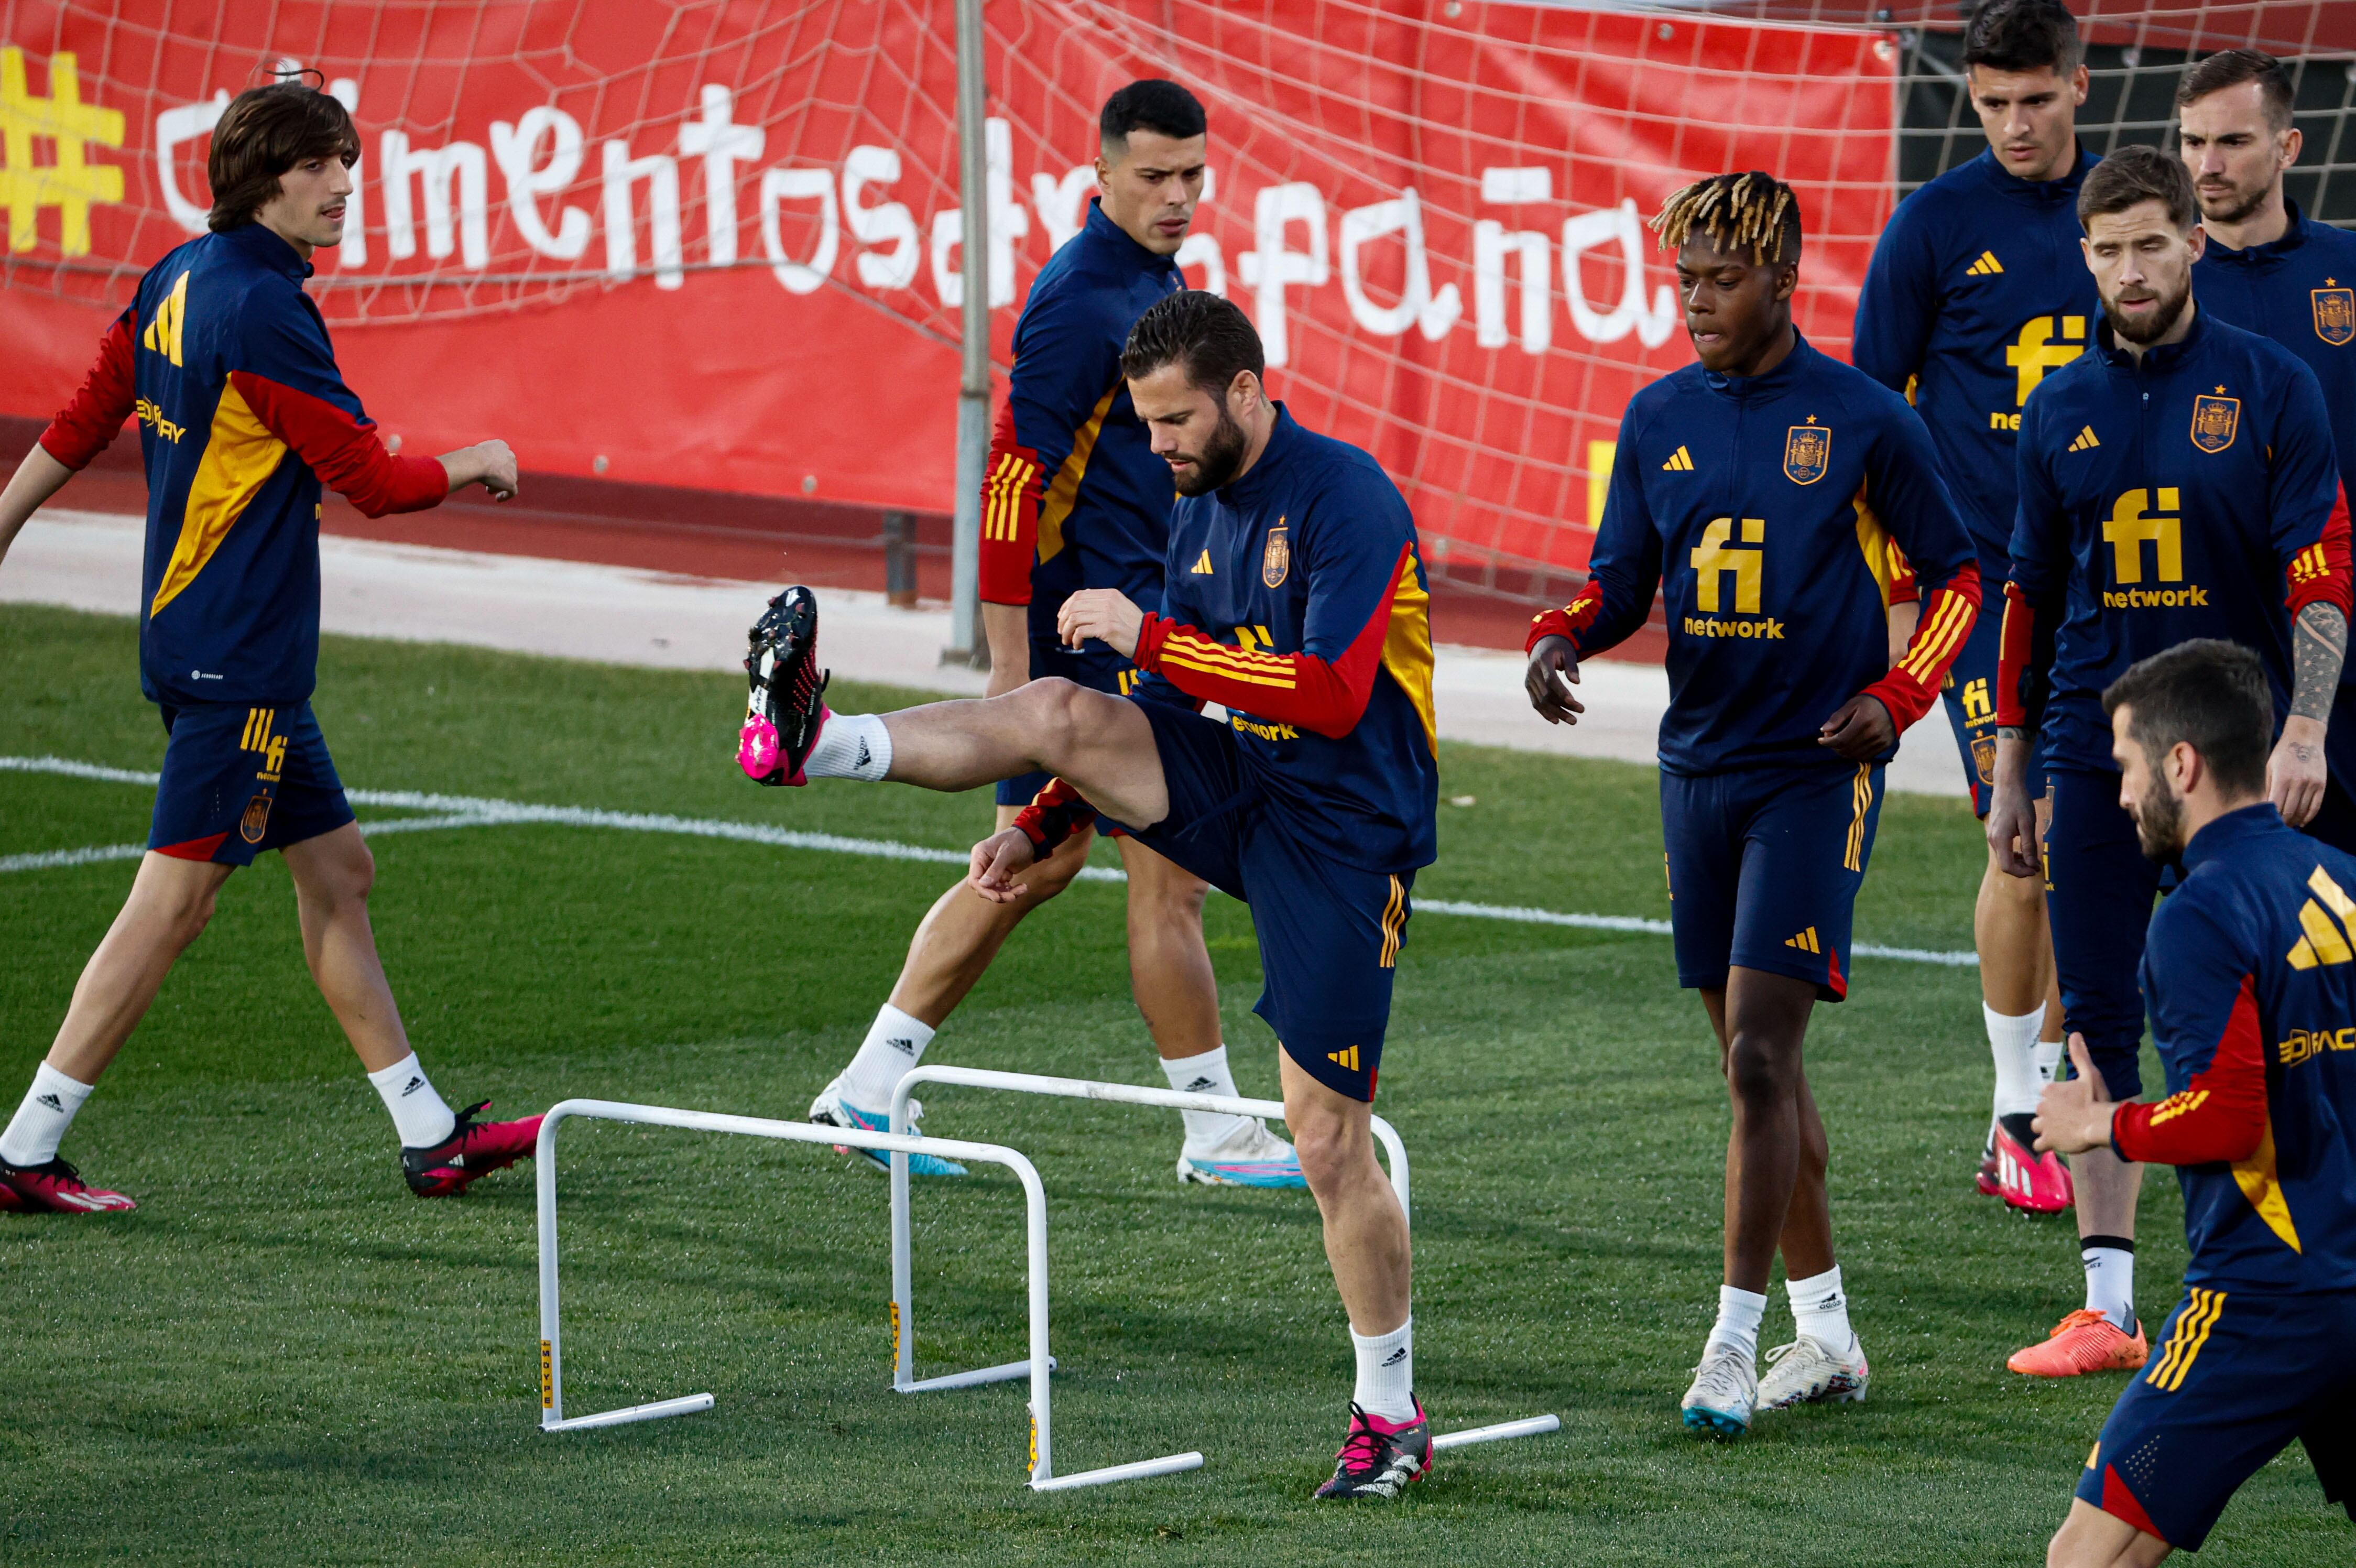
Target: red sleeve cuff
x: 2319, y: 574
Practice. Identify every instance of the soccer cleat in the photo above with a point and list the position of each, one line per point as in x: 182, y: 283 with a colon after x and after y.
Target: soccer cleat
x: 2028, y: 1181
x: 786, y: 709
x: 1808, y: 1371
x: 1724, y: 1390
x: 474, y: 1149
x: 2086, y: 1341
x: 56, y: 1188
x: 1250, y: 1155
x: 831, y: 1110
x: 1380, y: 1457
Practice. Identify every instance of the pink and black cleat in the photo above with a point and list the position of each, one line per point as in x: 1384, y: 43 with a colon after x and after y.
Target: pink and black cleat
x: 56, y: 1188
x: 787, y: 707
x: 2032, y: 1182
x: 473, y: 1149
x: 1379, y: 1459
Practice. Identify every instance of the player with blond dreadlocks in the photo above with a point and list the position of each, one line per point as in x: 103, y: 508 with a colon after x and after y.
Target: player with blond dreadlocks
x: 1760, y: 491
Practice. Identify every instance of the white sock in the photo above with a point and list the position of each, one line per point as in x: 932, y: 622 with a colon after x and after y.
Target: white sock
x: 851, y: 746
x: 1386, y: 1372
x: 2048, y: 1063
x: 2013, y: 1043
x: 2110, y: 1279
x: 1820, y: 1310
x: 40, y: 1123
x: 895, y: 1042
x: 1204, y: 1074
x: 1739, y: 1312
x: 419, y: 1113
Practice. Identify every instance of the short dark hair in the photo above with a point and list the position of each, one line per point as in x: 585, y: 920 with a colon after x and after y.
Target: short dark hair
x: 1214, y: 340
x: 2024, y: 35
x: 2233, y: 67
x: 264, y: 131
x: 2209, y: 694
x: 1152, y: 104
x: 2133, y: 175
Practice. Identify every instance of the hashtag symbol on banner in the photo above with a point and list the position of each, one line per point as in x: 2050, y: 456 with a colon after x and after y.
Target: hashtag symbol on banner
x: 71, y: 183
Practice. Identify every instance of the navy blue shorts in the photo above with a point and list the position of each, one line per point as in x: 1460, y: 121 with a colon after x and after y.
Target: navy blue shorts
x: 1330, y: 933
x: 238, y: 781
x: 2098, y: 894
x: 1764, y: 866
x: 1970, y: 695
x: 2233, y: 1377
x: 1093, y: 665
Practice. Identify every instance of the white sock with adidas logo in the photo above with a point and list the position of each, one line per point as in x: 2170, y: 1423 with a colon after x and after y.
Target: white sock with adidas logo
x: 895, y: 1042
x: 1387, y: 1371
x: 40, y: 1123
x: 420, y: 1115
x: 1204, y: 1074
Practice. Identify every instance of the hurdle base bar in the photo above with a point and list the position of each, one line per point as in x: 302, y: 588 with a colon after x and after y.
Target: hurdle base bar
x: 1534, y: 1426
x: 1168, y: 1465
x: 1005, y: 1373
x: 687, y: 1405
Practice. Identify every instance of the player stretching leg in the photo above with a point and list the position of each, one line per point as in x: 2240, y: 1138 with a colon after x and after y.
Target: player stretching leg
x: 243, y: 413
x: 1760, y: 491
x: 1975, y: 292
x: 1293, y: 595
x: 2177, y: 482
x: 2272, y: 270
x: 2253, y: 1002
x: 1075, y: 498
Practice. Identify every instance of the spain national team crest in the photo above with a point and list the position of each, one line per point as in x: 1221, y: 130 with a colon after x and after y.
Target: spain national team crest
x: 2335, y: 315
x: 1807, y: 453
x: 1276, y: 561
x: 256, y: 820
x: 2215, y: 420
x: 1983, y: 758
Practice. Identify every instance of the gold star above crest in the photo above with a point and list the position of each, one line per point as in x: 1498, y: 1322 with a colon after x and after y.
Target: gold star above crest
x: 2221, y: 386
x: 1812, y: 419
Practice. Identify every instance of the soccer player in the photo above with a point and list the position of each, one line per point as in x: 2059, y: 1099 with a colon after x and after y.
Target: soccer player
x: 1076, y: 499
x: 2177, y: 482
x: 1293, y: 593
x: 1974, y: 294
x: 1760, y: 491
x: 242, y: 414
x: 2252, y: 998
x: 2272, y: 270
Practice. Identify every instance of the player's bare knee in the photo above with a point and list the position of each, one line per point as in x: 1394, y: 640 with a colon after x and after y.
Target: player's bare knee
x: 1053, y: 715
x: 1761, y: 1070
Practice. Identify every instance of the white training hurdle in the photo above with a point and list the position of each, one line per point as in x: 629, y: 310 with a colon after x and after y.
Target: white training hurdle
x: 903, y: 1333
x: 551, y: 1342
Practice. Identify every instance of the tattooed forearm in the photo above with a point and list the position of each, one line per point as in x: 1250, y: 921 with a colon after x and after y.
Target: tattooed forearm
x: 2011, y: 732
x: 2320, y: 643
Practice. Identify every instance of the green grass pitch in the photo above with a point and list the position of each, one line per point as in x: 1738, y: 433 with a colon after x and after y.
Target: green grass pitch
x: 283, y: 1357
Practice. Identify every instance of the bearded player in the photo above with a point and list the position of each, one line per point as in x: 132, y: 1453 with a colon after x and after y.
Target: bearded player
x: 1974, y: 294
x: 1760, y: 491
x: 242, y: 415
x: 2177, y: 482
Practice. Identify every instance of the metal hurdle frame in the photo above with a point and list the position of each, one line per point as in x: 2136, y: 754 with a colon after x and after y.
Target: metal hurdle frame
x: 899, y: 1145
x: 903, y: 1333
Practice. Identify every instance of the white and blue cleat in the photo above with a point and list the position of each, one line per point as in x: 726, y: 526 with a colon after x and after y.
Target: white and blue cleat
x: 1724, y: 1393
x: 1249, y: 1156
x: 831, y: 1110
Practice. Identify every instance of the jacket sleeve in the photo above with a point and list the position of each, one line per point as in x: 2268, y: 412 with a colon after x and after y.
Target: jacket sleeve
x: 1904, y: 488
x: 1067, y: 372
x: 1899, y: 304
x: 2309, y: 510
x: 1623, y: 569
x: 286, y: 373
x: 1054, y: 814
x: 84, y: 427
x: 2204, y: 1010
x: 2036, y: 594
x: 1356, y: 543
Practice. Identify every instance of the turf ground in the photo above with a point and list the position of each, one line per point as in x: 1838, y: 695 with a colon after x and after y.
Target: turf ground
x: 283, y: 1358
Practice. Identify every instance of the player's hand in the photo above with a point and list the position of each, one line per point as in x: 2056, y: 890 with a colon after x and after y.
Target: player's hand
x: 998, y: 860
x: 1104, y: 614
x: 1860, y: 730
x: 491, y: 464
x: 1553, y: 672
x: 2295, y: 772
x: 2073, y: 1114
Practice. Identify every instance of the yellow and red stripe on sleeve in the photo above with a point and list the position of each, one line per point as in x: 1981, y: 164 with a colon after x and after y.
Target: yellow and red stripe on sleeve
x: 2319, y: 575
x: 1010, y: 516
x: 2220, y: 1116
x: 1912, y: 683
x: 2014, y: 645
x: 1569, y: 621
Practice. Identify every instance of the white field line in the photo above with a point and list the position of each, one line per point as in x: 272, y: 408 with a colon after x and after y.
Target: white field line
x: 469, y: 810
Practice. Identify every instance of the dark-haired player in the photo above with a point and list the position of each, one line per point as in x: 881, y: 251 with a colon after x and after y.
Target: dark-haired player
x: 2270, y: 269
x: 1760, y: 491
x: 2177, y: 482
x: 242, y: 414
x: 2253, y: 996
x: 1293, y: 594
x: 1074, y: 500
x: 1975, y: 292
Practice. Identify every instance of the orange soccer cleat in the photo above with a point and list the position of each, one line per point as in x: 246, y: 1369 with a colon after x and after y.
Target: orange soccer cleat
x: 2086, y: 1341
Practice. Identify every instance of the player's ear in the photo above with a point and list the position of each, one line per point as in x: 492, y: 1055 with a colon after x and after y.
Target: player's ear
x: 1245, y: 395
x: 2197, y: 241
x: 2078, y: 84
x: 1787, y: 279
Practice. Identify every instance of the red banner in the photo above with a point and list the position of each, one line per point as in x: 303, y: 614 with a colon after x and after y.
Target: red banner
x: 715, y: 246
